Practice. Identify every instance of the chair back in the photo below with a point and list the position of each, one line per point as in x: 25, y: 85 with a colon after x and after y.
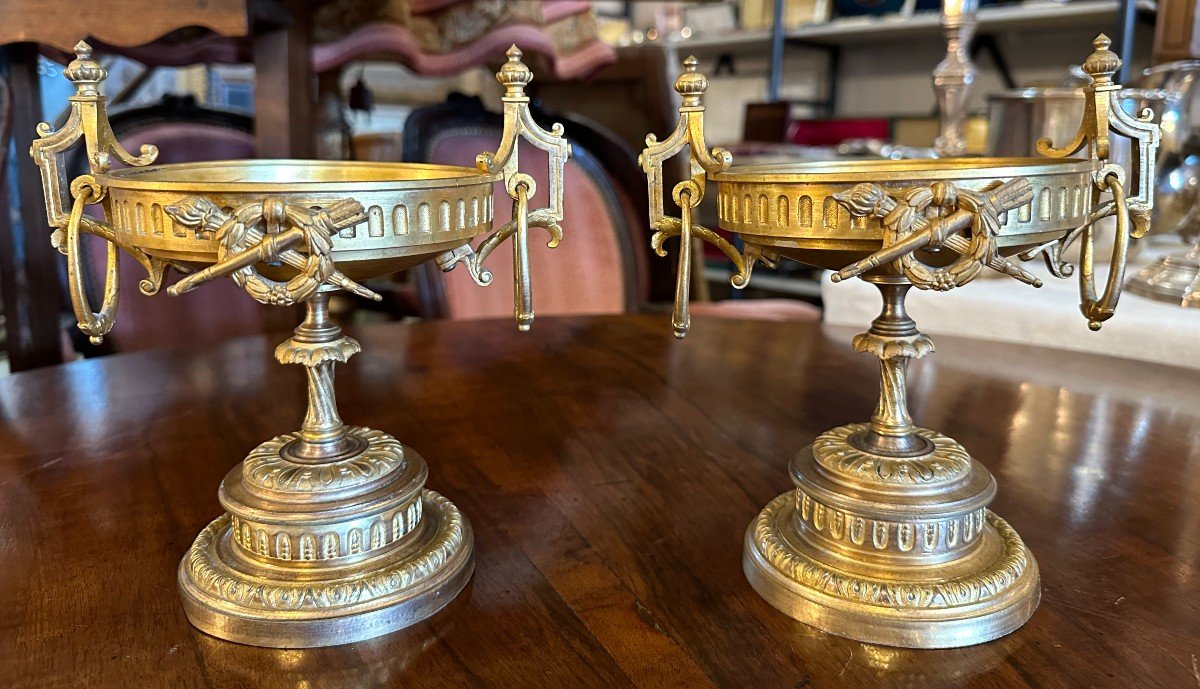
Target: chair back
x: 595, y: 270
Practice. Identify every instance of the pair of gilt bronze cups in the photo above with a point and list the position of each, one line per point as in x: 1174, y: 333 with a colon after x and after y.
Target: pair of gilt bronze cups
x: 330, y: 535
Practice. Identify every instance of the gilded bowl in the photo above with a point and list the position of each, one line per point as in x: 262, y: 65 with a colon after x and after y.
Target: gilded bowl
x: 792, y: 210
x: 414, y: 211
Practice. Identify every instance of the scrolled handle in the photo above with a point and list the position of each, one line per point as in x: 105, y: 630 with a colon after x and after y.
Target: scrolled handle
x: 1132, y: 196
x: 687, y: 195
x: 518, y: 124
x: 88, y: 121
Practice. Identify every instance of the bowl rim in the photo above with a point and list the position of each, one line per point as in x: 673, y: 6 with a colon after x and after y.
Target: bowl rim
x: 152, y: 177
x: 913, y: 170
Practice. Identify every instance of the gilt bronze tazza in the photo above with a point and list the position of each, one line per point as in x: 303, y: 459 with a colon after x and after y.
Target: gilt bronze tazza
x: 887, y: 537
x: 330, y: 535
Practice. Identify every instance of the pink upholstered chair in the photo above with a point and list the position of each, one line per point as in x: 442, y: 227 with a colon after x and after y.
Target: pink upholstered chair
x: 183, y: 133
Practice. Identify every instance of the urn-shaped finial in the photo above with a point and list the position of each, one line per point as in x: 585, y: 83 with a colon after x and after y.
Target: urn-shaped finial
x: 85, y: 72
x: 514, y: 74
x: 1103, y: 63
x: 691, y: 84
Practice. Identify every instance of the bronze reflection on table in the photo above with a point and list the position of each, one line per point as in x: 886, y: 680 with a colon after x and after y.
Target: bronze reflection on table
x: 330, y: 535
x: 886, y: 537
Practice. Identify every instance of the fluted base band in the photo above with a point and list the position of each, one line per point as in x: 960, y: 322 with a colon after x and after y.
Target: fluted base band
x: 237, y: 598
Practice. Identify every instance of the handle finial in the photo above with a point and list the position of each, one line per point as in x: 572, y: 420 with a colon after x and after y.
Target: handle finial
x: 691, y: 84
x: 1103, y: 63
x: 514, y: 75
x: 85, y: 72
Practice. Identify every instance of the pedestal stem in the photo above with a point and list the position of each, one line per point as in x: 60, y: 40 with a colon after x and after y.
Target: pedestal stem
x: 891, y: 416
x: 894, y: 339
x: 321, y: 422
x: 318, y: 344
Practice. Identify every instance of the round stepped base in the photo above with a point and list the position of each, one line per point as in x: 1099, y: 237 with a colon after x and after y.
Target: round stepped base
x: 889, y: 551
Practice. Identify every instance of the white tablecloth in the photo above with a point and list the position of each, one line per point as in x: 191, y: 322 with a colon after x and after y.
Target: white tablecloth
x: 1002, y: 309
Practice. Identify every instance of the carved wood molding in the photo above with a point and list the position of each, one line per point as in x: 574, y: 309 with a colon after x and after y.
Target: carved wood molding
x: 62, y: 23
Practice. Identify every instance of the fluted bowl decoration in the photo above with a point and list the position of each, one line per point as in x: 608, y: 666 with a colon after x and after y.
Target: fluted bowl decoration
x: 330, y: 535
x: 886, y: 537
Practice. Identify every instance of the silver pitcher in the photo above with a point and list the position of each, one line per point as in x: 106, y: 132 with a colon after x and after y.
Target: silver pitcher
x: 1171, y: 89
x: 1019, y: 117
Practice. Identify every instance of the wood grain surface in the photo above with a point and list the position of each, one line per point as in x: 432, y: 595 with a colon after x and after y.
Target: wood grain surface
x: 609, y: 472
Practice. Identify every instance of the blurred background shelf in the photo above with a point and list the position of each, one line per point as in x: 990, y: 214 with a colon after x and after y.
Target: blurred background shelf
x: 1098, y: 14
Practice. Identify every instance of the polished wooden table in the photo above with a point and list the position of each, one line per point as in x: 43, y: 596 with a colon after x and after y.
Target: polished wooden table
x: 609, y: 472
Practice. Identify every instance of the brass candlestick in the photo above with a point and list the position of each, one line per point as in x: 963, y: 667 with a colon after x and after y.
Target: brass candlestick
x: 886, y: 537
x: 330, y: 535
